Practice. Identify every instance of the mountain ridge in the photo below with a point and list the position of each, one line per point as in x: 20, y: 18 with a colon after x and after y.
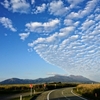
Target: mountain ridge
x: 56, y: 78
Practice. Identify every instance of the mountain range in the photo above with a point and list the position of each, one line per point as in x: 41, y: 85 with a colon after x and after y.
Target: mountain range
x: 56, y: 78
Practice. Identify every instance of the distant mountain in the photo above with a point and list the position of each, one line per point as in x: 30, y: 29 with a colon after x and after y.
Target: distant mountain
x: 56, y: 78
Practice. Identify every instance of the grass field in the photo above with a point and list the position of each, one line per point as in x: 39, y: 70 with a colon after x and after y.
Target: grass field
x: 91, y: 91
x: 18, y: 88
x: 15, y: 88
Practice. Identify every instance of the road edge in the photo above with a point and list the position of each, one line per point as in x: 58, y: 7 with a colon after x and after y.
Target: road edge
x: 78, y: 96
x: 49, y: 94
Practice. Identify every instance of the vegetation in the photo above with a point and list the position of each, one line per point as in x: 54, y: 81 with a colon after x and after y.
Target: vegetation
x: 20, y: 88
x: 91, y: 91
x: 6, y: 90
x: 16, y: 88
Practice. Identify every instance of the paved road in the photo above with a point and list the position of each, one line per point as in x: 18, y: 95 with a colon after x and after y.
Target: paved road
x: 9, y: 97
x: 59, y: 94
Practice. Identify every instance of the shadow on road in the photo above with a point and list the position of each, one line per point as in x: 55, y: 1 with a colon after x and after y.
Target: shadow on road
x: 34, y: 98
x: 67, y: 98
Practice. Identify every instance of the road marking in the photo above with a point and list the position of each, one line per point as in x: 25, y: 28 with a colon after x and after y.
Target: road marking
x: 65, y: 96
x: 49, y: 94
x: 77, y: 95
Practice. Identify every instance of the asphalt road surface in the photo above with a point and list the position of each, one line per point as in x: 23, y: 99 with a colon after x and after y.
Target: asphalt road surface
x: 9, y: 97
x: 60, y: 94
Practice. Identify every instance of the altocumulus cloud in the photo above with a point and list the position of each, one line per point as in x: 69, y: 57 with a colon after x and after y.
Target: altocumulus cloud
x: 23, y: 36
x: 74, y: 40
x: 7, y: 23
x: 45, y: 27
x: 20, y: 6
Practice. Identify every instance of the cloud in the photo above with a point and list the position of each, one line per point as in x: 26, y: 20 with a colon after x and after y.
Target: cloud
x: 30, y: 50
x: 71, y: 41
x: 68, y: 22
x: 74, y: 46
x: 32, y: 1
x: 73, y: 3
x: 57, y: 8
x: 66, y: 31
x: 51, y: 74
x: 20, y: 6
x: 23, y: 36
x: 63, y: 33
x: 5, y: 4
x: 87, y: 24
x: 40, y: 27
x: 7, y: 23
x: 90, y: 6
x: 40, y: 9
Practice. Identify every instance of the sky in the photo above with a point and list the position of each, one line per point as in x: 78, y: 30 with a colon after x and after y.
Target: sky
x: 41, y: 38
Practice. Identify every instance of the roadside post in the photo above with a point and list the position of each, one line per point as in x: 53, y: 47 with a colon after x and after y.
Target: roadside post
x: 34, y: 91
x: 55, y: 85
x: 20, y: 97
x: 31, y: 86
x: 44, y: 86
x: 96, y: 95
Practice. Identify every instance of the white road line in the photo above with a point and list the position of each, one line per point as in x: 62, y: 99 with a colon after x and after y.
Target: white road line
x: 77, y: 95
x: 65, y: 96
x: 49, y: 94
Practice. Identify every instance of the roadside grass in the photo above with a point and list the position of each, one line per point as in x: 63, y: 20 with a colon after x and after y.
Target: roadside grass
x: 13, y: 89
x: 91, y: 91
x: 22, y: 88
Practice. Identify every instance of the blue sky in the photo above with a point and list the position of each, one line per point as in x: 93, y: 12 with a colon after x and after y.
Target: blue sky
x: 39, y: 38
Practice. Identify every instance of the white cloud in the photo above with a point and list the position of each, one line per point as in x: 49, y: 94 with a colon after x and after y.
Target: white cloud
x: 66, y: 31
x: 87, y: 24
x: 23, y: 36
x: 74, y: 37
x: 71, y: 42
x: 52, y: 74
x: 73, y: 15
x: 74, y: 48
x: 73, y: 3
x: 43, y: 27
x: 57, y: 8
x: 7, y: 23
x: 90, y: 6
x: 97, y: 17
x: 6, y: 4
x: 68, y: 22
x: 32, y: 1
x: 40, y: 9
x: 20, y: 6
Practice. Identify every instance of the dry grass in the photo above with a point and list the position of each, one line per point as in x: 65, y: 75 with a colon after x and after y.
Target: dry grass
x: 89, y: 90
x: 15, y: 88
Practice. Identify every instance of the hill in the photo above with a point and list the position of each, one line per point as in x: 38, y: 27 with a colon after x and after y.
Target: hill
x: 56, y: 78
